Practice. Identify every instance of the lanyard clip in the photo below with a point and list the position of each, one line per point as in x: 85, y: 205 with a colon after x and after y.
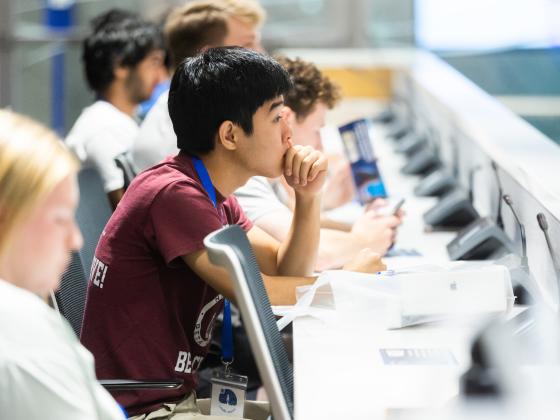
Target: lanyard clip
x: 227, y: 365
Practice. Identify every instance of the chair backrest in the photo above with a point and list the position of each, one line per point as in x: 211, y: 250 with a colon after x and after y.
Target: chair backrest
x: 124, y: 163
x: 71, y: 295
x: 94, y: 210
x: 230, y: 248
x: 92, y: 214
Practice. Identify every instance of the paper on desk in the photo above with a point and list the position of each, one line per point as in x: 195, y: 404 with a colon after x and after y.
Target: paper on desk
x: 314, y: 300
x: 397, y: 298
x: 319, y: 295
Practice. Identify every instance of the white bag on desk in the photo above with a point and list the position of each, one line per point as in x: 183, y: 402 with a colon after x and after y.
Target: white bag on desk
x: 396, y: 299
x: 431, y: 296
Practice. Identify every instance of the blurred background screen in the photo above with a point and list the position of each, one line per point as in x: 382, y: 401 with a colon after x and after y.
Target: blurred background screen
x: 486, y: 24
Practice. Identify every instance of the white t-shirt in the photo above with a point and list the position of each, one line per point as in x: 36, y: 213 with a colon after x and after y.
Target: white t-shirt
x: 45, y: 373
x: 101, y: 133
x: 156, y: 139
x: 260, y: 197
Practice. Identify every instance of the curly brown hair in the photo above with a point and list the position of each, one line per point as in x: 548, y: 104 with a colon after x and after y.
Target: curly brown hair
x: 310, y: 87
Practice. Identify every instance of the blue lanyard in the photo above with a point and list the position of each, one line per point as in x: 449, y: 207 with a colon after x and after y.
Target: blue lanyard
x: 227, y: 333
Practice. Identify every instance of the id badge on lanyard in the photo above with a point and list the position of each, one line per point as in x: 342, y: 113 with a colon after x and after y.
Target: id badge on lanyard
x: 228, y: 389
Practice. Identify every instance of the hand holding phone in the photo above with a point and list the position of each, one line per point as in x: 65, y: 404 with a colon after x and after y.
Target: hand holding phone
x: 391, y: 210
x: 397, y: 207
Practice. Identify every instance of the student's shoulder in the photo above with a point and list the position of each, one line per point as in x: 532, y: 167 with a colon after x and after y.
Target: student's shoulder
x: 161, y: 102
x: 96, y: 110
x: 157, y: 113
x: 166, y: 181
x: 177, y: 187
x: 14, y: 299
x: 102, y: 116
x: 167, y: 195
x: 103, y: 108
x: 40, y: 365
x: 25, y: 318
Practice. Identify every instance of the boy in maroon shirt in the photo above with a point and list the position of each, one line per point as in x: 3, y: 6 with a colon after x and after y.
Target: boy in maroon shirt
x: 153, y: 295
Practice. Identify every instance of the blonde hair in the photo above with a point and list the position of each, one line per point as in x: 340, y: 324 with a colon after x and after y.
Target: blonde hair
x: 190, y: 27
x: 249, y: 11
x: 33, y: 161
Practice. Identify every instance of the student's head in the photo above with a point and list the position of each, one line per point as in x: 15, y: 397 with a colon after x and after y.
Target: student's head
x: 38, y: 197
x: 111, y: 17
x: 123, y: 49
x: 230, y: 98
x: 307, y: 103
x: 244, y: 24
x: 203, y: 24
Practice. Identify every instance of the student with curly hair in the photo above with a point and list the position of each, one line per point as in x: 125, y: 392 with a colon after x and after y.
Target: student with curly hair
x: 270, y: 205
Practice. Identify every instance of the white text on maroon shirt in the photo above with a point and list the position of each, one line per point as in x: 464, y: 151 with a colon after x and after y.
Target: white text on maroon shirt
x: 98, y: 272
x: 186, y: 363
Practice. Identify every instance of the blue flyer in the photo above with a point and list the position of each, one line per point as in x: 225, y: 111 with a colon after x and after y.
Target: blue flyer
x: 359, y: 151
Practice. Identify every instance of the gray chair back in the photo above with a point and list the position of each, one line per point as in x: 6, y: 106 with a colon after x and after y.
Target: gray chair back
x: 230, y: 248
x: 71, y: 295
x: 92, y: 215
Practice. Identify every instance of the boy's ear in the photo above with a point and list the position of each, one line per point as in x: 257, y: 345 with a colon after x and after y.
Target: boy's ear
x: 228, y: 135
x: 121, y: 72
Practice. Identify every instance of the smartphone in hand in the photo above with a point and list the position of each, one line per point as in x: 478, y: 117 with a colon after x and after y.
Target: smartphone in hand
x: 397, y: 207
x: 391, y: 210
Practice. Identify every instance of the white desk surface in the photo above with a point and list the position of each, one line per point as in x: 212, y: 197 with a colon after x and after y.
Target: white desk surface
x: 338, y: 370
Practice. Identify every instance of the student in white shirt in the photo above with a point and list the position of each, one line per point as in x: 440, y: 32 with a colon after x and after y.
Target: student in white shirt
x: 45, y: 373
x: 123, y: 57
x: 269, y: 204
x: 190, y: 29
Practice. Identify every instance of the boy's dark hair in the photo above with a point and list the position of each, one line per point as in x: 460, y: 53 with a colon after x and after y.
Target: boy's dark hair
x: 111, y: 17
x: 118, y: 39
x: 226, y: 83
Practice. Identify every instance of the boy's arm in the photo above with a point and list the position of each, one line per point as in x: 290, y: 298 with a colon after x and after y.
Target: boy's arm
x: 294, y: 259
x: 281, y: 290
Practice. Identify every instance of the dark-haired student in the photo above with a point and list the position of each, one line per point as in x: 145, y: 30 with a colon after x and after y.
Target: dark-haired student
x: 123, y: 57
x: 269, y: 204
x: 153, y: 295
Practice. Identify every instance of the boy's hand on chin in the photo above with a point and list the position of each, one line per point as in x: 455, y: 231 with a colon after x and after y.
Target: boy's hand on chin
x: 305, y: 170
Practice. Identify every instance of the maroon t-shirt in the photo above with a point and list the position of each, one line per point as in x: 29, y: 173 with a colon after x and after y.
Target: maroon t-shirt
x: 148, y: 315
